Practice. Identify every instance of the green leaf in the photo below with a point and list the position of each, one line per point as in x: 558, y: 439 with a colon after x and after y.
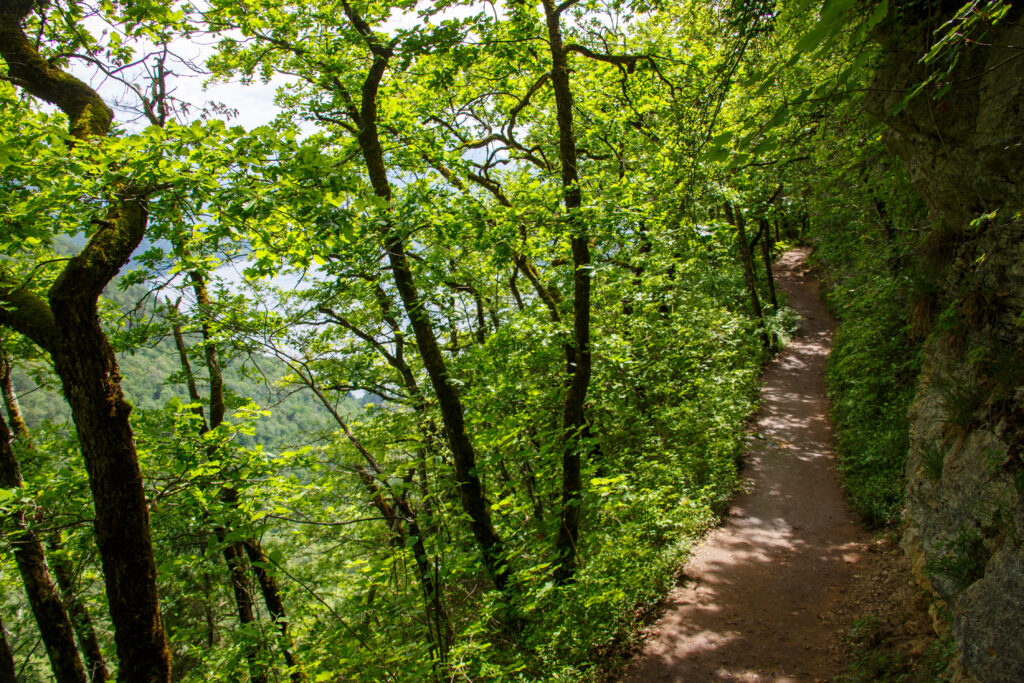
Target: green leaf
x: 717, y: 154
x: 722, y: 139
x: 878, y: 15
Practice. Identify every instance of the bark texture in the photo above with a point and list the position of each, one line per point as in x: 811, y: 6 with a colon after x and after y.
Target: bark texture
x: 67, y: 326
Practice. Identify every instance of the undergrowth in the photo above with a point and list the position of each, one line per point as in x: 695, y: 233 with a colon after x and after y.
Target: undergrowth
x: 875, y: 659
x: 871, y: 375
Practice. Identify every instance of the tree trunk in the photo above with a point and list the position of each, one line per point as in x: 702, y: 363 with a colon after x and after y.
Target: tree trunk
x: 80, y: 619
x: 574, y: 423
x: 437, y: 618
x: 8, y: 670
x: 766, y: 256
x: 440, y: 624
x: 514, y: 288
x: 260, y: 564
x: 68, y: 327
x: 235, y: 561
x: 735, y: 216
x: 89, y: 376
x: 16, y: 420
x: 471, y: 492
x: 233, y: 553
x: 54, y: 625
x: 217, y: 409
x: 79, y: 615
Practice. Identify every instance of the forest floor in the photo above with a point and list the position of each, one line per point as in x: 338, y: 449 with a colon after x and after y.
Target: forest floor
x: 790, y: 587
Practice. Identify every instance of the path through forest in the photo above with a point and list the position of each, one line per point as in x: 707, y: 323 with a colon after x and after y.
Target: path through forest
x: 766, y: 594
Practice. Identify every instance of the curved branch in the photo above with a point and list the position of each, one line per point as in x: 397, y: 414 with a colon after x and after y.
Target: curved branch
x: 107, y: 251
x: 29, y: 314
x: 88, y: 114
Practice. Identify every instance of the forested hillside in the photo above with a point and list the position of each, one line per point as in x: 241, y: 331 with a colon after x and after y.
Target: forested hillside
x: 151, y: 365
x: 440, y: 372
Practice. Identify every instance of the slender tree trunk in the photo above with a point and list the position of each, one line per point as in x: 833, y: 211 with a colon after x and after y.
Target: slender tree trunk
x: 233, y: 553
x: 186, y: 366
x: 260, y: 564
x: 216, y: 378
x: 54, y: 625
x: 735, y: 216
x: 8, y: 669
x: 515, y: 288
x: 481, y: 320
x: 80, y: 619
x: 766, y: 256
x: 396, y: 360
x: 471, y: 491
x: 530, y: 484
x: 375, y: 487
x: 17, y: 422
x: 550, y: 296
x: 79, y: 615
x: 574, y: 422
x: 235, y: 561
x: 470, y: 487
x: 437, y: 616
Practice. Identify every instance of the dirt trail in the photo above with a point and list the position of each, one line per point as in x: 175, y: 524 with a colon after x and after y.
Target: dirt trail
x: 767, y: 592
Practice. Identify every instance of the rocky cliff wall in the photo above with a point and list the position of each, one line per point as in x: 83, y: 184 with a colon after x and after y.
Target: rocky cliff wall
x: 964, y: 151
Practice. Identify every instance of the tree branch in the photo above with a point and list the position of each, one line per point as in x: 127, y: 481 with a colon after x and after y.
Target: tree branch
x: 87, y: 113
x: 27, y: 313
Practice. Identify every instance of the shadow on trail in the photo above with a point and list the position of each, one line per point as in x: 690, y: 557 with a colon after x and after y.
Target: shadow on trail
x: 766, y: 591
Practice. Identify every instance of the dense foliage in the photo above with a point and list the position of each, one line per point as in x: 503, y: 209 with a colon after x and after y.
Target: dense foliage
x: 867, y: 250
x: 438, y: 375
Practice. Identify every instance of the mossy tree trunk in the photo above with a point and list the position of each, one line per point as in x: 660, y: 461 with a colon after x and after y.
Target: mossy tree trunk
x: 67, y: 325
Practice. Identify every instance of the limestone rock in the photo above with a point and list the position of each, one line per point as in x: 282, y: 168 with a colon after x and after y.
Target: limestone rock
x: 965, y: 470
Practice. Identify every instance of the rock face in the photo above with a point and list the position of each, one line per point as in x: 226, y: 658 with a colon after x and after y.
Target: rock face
x: 965, y: 473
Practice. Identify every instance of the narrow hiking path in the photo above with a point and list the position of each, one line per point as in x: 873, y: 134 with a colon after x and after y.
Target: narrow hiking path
x: 767, y: 592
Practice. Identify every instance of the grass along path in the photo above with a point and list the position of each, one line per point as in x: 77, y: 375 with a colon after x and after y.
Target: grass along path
x: 767, y: 593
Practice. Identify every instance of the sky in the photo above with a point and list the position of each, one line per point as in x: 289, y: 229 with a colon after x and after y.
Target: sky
x: 254, y: 102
